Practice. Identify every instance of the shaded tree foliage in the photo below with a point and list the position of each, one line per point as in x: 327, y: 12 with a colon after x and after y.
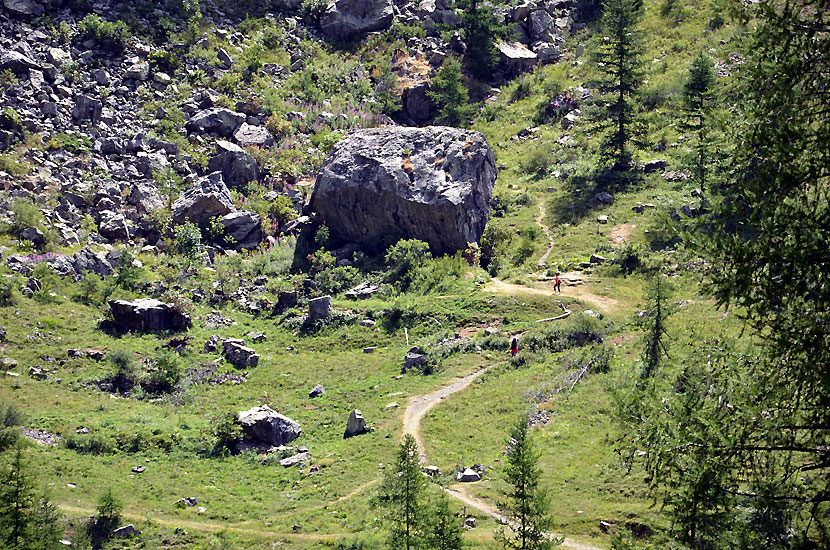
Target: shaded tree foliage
x: 737, y: 442
x: 618, y: 56
x: 527, y: 504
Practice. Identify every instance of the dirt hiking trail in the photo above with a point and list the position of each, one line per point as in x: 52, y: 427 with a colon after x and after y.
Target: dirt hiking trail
x: 419, y: 405
x: 416, y: 409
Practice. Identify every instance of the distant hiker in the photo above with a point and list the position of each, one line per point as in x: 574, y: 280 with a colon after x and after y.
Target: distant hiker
x: 557, y: 284
x: 514, y: 347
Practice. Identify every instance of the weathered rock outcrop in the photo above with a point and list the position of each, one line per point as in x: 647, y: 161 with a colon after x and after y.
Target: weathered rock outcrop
x: 205, y: 199
x: 147, y: 314
x: 347, y: 19
x: 237, y: 166
x: 381, y: 185
x: 221, y: 121
x: 268, y: 426
x: 244, y: 228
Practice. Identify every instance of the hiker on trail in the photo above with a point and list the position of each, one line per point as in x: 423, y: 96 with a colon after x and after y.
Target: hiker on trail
x: 514, y: 347
x: 557, y: 284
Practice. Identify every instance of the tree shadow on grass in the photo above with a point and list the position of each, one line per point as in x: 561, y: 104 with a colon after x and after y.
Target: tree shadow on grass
x: 579, y: 196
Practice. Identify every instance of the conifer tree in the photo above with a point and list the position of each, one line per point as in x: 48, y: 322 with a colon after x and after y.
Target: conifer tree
x: 442, y: 530
x: 526, y: 507
x: 737, y: 444
x: 654, y: 325
x: 696, y: 100
x: 404, y: 487
x: 16, y: 500
x: 450, y: 95
x: 481, y: 30
x: 618, y: 55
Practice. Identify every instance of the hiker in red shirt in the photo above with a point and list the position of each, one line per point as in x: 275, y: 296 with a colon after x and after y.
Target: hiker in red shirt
x: 557, y: 284
x: 514, y: 347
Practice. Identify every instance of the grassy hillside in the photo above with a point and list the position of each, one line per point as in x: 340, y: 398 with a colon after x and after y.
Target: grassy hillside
x: 544, y: 184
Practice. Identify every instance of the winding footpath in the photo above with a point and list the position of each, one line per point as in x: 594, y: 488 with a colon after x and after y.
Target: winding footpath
x: 416, y: 409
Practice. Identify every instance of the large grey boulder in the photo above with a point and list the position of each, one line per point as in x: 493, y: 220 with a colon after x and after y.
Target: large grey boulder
x: 147, y: 314
x: 245, y: 228
x: 356, y: 424
x: 216, y: 121
x: 85, y: 260
x: 205, y: 199
x: 16, y: 62
x: 347, y: 19
x: 247, y: 135
x: 239, y: 355
x: 114, y: 226
x: 380, y: 185
x: 268, y: 426
x: 87, y: 108
x: 417, y: 103
x: 23, y: 7
x: 319, y: 308
x: 515, y: 58
x: 237, y: 166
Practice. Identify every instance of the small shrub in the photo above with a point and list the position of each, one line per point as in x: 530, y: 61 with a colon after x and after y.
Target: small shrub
x: 226, y: 431
x: 10, y: 421
x: 110, y: 35
x: 7, y: 295
x: 91, y: 444
x: 76, y: 144
x: 188, y: 243
x: 166, y: 375
x: 124, y: 364
x: 165, y: 61
x: 404, y: 258
x: 337, y: 279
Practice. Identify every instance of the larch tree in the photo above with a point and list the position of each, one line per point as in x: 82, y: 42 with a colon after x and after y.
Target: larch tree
x: 617, y: 53
x: 526, y: 507
x: 404, y: 488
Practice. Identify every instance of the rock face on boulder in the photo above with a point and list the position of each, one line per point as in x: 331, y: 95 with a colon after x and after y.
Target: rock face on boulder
x: 238, y: 355
x: 221, y: 121
x: 245, y: 228
x: 356, y: 424
x: 268, y: 426
x: 23, y: 7
x: 468, y: 475
x: 319, y: 308
x: 208, y: 197
x: 147, y: 314
x: 417, y: 103
x: 381, y: 185
x: 237, y: 166
x: 347, y: 19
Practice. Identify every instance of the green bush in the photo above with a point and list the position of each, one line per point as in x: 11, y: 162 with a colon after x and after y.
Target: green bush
x: 107, y: 34
x: 337, y: 279
x: 403, y: 260
x: 167, y: 373
x: 226, y: 432
x: 495, y: 242
x: 7, y: 295
x: 165, y: 61
x: 10, y: 421
x: 76, y: 144
x: 24, y: 214
x: 91, y: 444
x: 124, y: 364
x: 188, y: 243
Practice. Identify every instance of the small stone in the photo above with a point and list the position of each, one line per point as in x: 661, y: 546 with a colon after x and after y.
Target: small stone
x: 317, y: 391
x: 139, y: 469
x: 468, y: 475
